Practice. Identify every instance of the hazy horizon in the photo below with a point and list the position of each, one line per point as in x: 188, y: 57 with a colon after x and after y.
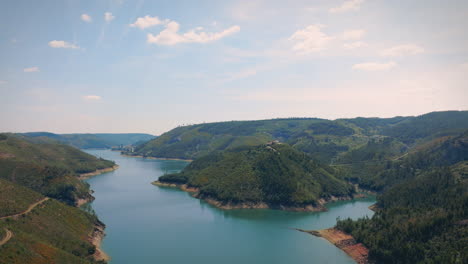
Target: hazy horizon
x: 122, y: 66
x: 216, y: 121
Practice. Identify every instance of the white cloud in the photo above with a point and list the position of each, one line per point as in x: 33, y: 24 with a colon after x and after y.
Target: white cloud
x: 3, y: 82
x: 310, y: 39
x: 108, y: 17
x: 353, y: 34
x: 92, y: 97
x: 62, y: 44
x: 374, y: 66
x: 171, y: 36
x: 349, y: 5
x: 31, y: 69
x: 86, y: 18
x: 355, y: 45
x: 402, y: 50
x: 147, y: 21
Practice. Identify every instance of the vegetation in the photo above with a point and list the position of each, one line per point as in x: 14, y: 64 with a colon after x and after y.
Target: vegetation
x: 86, y: 141
x: 50, y: 233
x: 422, y: 217
x: 15, y: 198
x: 275, y: 174
x: 325, y: 140
x: 49, y: 168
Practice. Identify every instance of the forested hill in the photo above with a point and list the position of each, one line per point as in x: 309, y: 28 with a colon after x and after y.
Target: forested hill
x: 51, y: 232
x: 39, y: 189
x: 422, y: 215
x: 325, y: 140
x: 86, y: 141
x: 50, y: 168
x: 274, y: 174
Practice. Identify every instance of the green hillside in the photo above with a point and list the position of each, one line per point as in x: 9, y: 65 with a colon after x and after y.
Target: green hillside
x: 51, y: 233
x: 100, y: 140
x: 275, y: 174
x: 49, y: 168
x: 422, y: 215
x: 325, y: 140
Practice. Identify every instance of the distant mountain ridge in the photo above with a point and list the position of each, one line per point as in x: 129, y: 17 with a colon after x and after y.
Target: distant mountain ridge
x: 97, y: 140
x: 325, y: 140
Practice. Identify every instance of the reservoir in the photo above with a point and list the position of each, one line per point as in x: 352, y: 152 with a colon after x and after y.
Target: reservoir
x: 150, y: 224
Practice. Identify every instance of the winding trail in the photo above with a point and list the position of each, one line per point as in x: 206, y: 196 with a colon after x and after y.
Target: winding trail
x: 7, y: 237
x: 32, y: 206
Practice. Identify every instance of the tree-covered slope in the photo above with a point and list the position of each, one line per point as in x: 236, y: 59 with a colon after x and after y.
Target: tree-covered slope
x: 51, y: 232
x: 422, y: 216
x: 325, y: 140
x: 319, y: 137
x: 100, y: 140
x: 49, y: 168
x: 274, y: 174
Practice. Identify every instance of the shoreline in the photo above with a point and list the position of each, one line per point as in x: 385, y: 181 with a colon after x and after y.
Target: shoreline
x: 85, y: 176
x: 320, y: 207
x: 343, y: 241
x: 154, y: 158
x: 96, y: 238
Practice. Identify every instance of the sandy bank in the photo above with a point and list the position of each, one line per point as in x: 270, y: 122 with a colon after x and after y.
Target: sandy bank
x: 343, y: 241
x: 88, y: 175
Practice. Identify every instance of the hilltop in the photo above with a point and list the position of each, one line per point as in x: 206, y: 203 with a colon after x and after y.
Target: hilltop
x: 273, y: 175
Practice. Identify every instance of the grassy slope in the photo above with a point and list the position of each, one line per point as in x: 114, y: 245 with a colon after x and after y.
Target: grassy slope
x: 274, y: 174
x: 15, y: 198
x: 51, y: 233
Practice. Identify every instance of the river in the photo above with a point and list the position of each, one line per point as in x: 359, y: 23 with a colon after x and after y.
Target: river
x: 150, y: 224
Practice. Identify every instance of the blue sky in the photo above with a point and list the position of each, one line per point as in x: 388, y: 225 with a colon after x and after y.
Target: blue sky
x: 149, y: 66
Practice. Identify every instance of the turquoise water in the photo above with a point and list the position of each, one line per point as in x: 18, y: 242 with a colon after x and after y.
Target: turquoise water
x: 149, y: 224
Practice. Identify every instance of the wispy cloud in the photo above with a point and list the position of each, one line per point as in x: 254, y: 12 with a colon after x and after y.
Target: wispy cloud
x: 171, y: 36
x: 86, y: 18
x: 3, y: 82
x: 355, y: 45
x: 349, y: 5
x: 374, y: 66
x: 310, y: 39
x: 403, y: 50
x: 353, y: 34
x: 108, y: 17
x: 91, y: 97
x: 148, y: 21
x: 31, y: 69
x: 62, y: 44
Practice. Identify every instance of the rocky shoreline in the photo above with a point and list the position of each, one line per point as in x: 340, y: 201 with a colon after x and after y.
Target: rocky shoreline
x: 320, y: 207
x: 84, y: 176
x: 96, y: 238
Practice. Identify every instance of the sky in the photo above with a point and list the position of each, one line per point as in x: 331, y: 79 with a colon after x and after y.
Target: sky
x: 118, y: 66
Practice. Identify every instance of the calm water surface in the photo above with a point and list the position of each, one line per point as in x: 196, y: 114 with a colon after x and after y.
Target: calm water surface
x: 149, y: 224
